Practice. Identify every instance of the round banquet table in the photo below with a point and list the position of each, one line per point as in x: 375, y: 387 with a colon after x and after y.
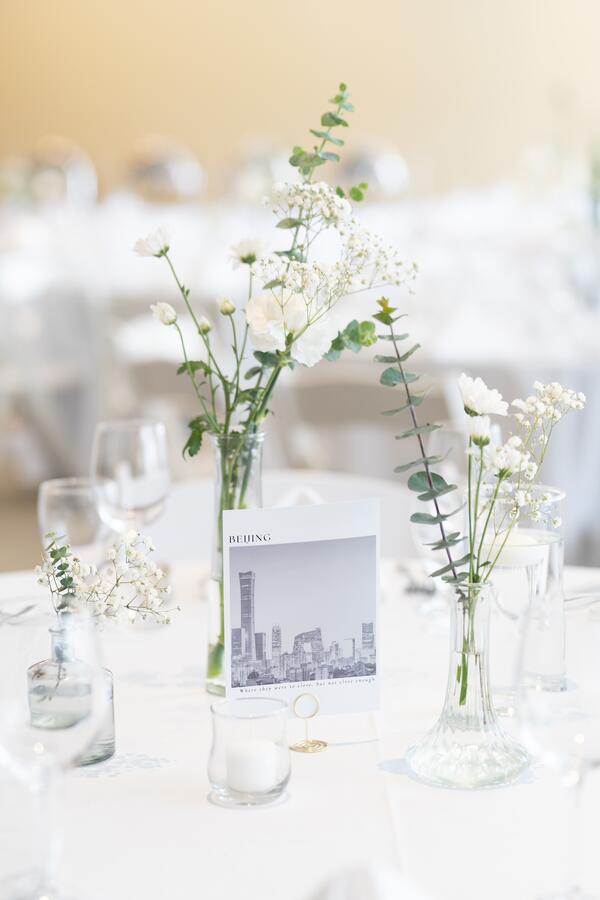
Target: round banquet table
x: 140, y: 825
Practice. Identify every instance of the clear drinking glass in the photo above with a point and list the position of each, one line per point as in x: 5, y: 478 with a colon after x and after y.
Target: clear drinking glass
x: 249, y: 763
x: 68, y: 507
x: 40, y: 734
x: 561, y: 729
x: 130, y: 472
x: 529, y: 573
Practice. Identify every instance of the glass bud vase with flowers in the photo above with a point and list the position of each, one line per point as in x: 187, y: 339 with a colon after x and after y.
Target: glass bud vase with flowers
x: 467, y: 748
x: 293, y: 315
x: 128, y: 586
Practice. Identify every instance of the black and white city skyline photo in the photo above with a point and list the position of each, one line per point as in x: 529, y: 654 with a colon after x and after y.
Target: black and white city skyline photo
x: 303, y: 611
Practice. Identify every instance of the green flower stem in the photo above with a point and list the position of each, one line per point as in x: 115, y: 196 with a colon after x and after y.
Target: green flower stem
x: 487, y: 520
x: 476, y: 514
x: 470, y: 505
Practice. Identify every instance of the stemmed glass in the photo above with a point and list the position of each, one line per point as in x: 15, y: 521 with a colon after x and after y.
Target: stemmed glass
x: 67, y: 506
x: 44, y: 727
x: 130, y: 472
x: 561, y: 729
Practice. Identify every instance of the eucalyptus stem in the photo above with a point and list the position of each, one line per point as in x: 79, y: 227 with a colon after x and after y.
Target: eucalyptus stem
x: 426, y: 466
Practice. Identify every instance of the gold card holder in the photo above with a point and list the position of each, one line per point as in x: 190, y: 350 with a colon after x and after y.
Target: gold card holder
x: 306, y: 707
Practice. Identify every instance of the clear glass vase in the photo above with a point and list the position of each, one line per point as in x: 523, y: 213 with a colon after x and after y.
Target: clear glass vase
x: 467, y: 748
x: 238, y: 485
x: 60, y: 693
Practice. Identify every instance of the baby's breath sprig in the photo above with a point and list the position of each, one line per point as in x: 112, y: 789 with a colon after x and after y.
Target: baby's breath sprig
x: 128, y: 586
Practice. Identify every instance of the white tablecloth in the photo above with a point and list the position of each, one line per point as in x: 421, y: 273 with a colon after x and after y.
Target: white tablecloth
x: 140, y: 825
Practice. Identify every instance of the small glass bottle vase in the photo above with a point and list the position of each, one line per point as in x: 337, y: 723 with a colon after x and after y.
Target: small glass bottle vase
x: 60, y: 689
x: 238, y: 485
x: 467, y: 747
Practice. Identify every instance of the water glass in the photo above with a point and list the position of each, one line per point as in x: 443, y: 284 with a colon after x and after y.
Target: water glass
x: 249, y: 762
x: 529, y: 579
x: 130, y: 472
x: 561, y: 729
x: 44, y: 727
x: 68, y: 507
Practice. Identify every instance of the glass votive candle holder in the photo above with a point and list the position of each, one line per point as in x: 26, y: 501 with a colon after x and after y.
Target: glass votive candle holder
x: 249, y: 762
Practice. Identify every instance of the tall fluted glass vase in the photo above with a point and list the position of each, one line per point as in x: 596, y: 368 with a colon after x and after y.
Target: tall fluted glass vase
x: 467, y: 748
x: 238, y: 485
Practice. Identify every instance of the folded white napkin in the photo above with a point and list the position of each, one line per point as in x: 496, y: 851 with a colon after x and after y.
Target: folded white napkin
x: 370, y: 881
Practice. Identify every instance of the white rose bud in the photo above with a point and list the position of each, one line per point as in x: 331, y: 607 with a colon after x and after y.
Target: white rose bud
x: 204, y: 325
x: 164, y: 313
x: 226, y: 307
x: 480, y: 430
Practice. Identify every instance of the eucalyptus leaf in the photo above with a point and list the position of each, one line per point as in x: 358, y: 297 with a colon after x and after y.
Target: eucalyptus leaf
x: 420, y: 429
x: 417, y: 462
x: 393, y: 376
x: 420, y: 518
x: 422, y: 481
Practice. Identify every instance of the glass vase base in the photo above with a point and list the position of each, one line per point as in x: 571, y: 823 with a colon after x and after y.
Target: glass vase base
x: 467, y: 760
x: 233, y: 800
x: 101, y: 751
x: 215, y: 687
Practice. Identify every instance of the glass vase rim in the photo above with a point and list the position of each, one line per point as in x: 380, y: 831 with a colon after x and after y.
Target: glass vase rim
x: 473, y: 585
x: 218, y: 708
x: 68, y: 483
x: 256, y: 437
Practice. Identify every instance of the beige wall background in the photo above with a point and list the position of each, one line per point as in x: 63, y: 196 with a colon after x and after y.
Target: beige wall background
x: 462, y: 87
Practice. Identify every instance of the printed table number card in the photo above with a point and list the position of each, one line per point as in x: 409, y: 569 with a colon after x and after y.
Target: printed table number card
x: 301, y: 595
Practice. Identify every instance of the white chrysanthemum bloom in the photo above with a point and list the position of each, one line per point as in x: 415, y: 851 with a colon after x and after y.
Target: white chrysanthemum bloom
x: 154, y: 244
x: 204, y: 325
x: 226, y: 307
x: 164, y: 313
x: 246, y: 252
x: 480, y: 400
x: 480, y: 430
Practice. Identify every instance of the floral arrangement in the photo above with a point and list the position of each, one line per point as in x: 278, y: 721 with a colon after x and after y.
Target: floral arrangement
x: 501, y: 479
x: 291, y: 318
x: 292, y: 294
x: 129, y: 586
x: 503, y: 473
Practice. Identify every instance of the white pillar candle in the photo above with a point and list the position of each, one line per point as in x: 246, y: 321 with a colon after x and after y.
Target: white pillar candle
x: 524, y: 547
x: 252, y: 765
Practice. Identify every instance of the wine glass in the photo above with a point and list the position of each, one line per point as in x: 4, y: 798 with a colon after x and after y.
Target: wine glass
x: 561, y: 729
x: 130, y: 472
x: 45, y: 725
x: 67, y: 506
